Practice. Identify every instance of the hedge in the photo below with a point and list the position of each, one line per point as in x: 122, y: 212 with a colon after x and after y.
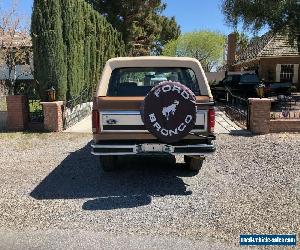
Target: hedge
x: 71, y: 43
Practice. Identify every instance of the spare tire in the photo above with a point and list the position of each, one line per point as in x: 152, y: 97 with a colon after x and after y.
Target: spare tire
x: 169, y: 111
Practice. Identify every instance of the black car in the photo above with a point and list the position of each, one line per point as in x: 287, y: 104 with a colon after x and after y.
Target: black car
x: 277, y: 88
x: 240, y: 84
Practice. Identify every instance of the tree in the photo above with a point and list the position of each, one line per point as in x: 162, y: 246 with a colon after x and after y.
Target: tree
x: 15, y: 46
x: 206, y: 46
x: 242, y: 42
x: 282, y: 16
x: 48, y: 47
x: 170, y: 30
x: 143, y: 27
x: 71, y: 44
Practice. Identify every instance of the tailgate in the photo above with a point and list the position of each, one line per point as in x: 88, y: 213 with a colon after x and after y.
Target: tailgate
x: 122, y: 114
x: 131, y: 121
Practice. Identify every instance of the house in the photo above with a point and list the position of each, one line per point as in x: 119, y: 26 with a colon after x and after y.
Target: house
x: 16, y: 62
x: 270, y: 55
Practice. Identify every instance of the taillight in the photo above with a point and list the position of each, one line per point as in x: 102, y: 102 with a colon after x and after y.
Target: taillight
x: 211, y: 120
x: 95, y: 121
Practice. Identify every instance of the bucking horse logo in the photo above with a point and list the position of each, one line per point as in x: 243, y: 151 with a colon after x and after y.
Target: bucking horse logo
x: 170, y: 109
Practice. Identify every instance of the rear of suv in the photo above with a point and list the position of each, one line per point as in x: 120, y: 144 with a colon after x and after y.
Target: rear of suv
x: 153, y: 105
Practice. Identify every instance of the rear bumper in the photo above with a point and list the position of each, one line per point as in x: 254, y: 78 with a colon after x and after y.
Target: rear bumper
x: 145, y: 148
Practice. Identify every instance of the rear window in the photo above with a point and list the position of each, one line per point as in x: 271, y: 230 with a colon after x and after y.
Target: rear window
x: 139, y: 81
x: 249, y: 78
x: 232, y: 79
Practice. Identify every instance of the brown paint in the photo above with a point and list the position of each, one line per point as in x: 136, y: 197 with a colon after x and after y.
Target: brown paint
x: 118, y: 103
x: 130, y: 103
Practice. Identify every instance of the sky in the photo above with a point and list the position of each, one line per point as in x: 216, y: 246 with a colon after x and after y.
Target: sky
x: 195, y: 15
x: 191, y: 15
x: 24, y: 6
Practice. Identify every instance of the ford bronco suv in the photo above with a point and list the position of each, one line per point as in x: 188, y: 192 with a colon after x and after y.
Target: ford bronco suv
x: 153, y: 105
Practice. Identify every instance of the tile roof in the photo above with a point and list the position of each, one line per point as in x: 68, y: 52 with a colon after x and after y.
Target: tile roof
x: 268, y: 45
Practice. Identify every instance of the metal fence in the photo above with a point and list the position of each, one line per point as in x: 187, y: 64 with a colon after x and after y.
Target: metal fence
x: 30, y: 90
x: 78, y: 108
x: 36, y: 113
x: 285, y: 107
x: 237, y: 108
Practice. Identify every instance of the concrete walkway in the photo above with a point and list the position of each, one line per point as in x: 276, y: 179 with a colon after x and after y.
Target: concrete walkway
x: 84, y: 126
x: 223, y: 125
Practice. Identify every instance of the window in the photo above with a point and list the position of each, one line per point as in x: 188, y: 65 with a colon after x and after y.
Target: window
x: 287, y: 73
x: 249, y: 78
x: 232, y: 79
x: 139, y: 81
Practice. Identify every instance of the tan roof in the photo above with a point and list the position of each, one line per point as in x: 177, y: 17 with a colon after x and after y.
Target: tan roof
x: 268, y: 45
x: 279, y: 46
x: 153, y: 61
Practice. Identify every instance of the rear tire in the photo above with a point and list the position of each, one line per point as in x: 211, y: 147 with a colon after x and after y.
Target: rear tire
x: 108, y: 162
x: 193, y: 163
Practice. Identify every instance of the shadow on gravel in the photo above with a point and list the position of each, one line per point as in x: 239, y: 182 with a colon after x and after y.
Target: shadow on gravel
x: 242, y: 133
x: 133, y: 184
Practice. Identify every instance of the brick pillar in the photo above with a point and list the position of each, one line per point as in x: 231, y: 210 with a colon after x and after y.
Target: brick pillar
x: 260, y: 115
x: 53, y: 116
x: 17, y: 112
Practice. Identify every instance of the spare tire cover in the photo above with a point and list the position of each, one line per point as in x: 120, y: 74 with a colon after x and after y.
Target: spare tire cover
x: 169, y: 111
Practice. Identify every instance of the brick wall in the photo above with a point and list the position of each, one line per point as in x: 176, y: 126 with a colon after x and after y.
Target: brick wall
x: 17, y: 112
x: 260, y: 115
x: 260, y: 122
x: 232, y: 40
x: 277, y: 126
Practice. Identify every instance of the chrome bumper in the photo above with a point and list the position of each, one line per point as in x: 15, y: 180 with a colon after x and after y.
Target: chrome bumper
x: 133, y: 149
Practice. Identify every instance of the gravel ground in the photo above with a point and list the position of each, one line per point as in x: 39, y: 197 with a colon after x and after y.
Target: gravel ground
x: 250, y: 185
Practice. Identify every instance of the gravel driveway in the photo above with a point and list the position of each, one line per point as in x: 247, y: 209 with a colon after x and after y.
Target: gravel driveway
x: 250, y: 185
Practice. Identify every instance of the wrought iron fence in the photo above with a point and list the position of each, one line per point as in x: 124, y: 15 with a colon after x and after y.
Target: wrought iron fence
x: 78, y: 108
x: 36, y: 113
x: 30, y: 90
x: 237, y: 108
x: 285, y: 107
